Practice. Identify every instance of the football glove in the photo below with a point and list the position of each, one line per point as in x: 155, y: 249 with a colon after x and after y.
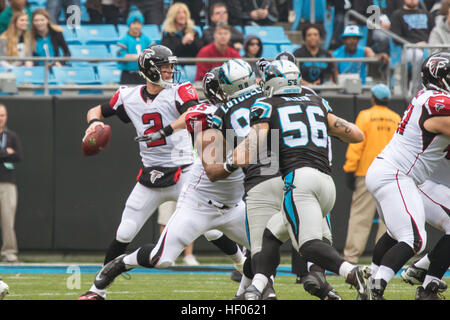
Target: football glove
x: 155, y: 136
x: 262, y: 64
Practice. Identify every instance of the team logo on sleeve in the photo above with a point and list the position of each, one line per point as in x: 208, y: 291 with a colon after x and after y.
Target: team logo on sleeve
x: 155, y: 174
x: 439, y: 107
x: 434, y: 64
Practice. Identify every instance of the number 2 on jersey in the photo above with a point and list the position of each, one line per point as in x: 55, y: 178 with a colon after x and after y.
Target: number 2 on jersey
x: 155, y: 121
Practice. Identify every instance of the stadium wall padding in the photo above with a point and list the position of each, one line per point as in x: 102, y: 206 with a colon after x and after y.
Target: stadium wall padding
x: 68, y: 202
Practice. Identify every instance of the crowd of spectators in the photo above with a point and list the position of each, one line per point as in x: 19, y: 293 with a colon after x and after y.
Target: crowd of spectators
x: 192, y: 30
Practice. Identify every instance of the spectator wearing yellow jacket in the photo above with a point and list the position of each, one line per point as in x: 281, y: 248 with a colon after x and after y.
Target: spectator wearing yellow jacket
x: 378, y: 124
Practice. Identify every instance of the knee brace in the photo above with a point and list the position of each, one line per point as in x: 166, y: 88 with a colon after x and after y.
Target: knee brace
x: 127, y: 231
x: 212, y: 235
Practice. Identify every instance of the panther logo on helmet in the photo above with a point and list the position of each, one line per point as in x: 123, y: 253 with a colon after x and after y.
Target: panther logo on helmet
x: 434, y: 64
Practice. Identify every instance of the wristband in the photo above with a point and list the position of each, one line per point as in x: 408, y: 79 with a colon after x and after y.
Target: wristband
x: 230, y: 168
x: 92, y: 121
x: 167, y: 131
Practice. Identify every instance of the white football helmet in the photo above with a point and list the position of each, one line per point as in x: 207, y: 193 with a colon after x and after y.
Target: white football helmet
x: 236, y: 77
x: 281, y: 77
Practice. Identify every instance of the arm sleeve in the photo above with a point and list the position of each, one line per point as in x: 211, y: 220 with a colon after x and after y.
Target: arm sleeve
x: 115, y: 107
x: 186, y: 97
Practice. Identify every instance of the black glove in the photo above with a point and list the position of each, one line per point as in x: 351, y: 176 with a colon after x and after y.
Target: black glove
x: 350, y: 180
x: 155, y: 136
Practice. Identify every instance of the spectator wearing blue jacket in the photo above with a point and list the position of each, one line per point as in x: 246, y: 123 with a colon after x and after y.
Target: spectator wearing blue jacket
x: 351, y: 49
x: 130, y: 46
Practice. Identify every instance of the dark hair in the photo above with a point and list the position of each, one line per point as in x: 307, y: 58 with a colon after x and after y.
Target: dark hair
x: 379, y: 102
x: 216, y: 5
x: 309, y: 26
x: 222, y: 25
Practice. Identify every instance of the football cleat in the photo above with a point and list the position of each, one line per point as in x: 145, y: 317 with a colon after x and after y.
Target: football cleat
x: 4, y: 289
x: 332, y: 295
x: 236, y: 276
x: 109, y: 272
x: 90, y: 295
x: 431, y: 292
x: 315, y: 284
x: 269, y: 292
x: 414, y: 275
x: 358, y: 279
x: 251, y: 293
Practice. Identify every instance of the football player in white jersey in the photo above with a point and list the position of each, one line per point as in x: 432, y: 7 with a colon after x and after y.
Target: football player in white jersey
x: 203, y: 205
x: 156, y: 108
x: 412, y: 155
x: 436, y: 199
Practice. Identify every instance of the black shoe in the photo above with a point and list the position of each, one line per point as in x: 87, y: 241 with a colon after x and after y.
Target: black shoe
x: 251, y: 293
x: 375, y: 290
x: 358, y: 279
x: 109, y: 272
x: 89, y: 295
x: 414, y: 275
x: 236, y: 276
x: 269, y: 292
x: 315, y: 284
x: 431, y: 292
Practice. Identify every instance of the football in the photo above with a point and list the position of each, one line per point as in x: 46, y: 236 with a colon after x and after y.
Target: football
x: 95, y: 142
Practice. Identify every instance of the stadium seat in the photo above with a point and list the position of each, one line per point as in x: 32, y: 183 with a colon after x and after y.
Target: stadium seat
x: 199, y: 30
x: 320, y: 9
x: 31, y: 75
x: 328, y: 24
x: 108, y: 74
x: 89, y: 51
x: 190, y: 71
x: 268, y: 34
x: 395, y: 53
x: 152, y: 31
x: 365, y: 32
x: 98, y: 34
x: 270, y: 51
x: 297, y: 6
x: 75, y: 75
x: 70, y: 35
x: 289, y: 47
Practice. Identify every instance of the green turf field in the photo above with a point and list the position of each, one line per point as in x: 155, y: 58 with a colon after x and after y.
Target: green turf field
x: 174, y: 287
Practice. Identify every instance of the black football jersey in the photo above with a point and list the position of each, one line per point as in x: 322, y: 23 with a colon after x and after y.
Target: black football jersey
x: 300, y: 123
x: 233, y: 119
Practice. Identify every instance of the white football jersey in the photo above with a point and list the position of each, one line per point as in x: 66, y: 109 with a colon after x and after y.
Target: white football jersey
x: 149, y: 116
x: 441, y: 174
x: 413, y: 150
x: 228, y: 191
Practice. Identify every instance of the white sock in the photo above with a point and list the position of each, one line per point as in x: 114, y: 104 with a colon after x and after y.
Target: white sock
x: 100, y: 292
x: 374, y: 269
x: 384, y: 273
x: 260, y: 281
x: 130, y: 260
x: 245, y: 282
x: 308, y: 265
x: 237, y: 257
x: 345, y: 269
x: 423, y: 263
x: 429, y: 279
